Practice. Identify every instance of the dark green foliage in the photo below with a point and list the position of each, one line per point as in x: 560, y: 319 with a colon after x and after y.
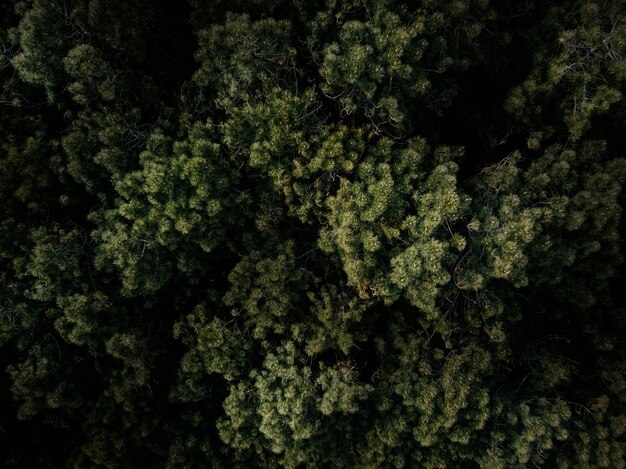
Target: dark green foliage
x: 312, y: 234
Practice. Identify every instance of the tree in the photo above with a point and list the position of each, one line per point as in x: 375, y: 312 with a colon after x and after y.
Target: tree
x: 312, y: 234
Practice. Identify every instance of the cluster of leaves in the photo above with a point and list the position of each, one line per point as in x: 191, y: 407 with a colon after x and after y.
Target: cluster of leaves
x: 312, y: 234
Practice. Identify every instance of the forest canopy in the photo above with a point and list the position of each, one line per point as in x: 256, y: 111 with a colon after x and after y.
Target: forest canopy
x: 308, y: 234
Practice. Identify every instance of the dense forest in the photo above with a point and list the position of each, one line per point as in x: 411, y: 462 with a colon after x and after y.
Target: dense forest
x: 308, y: 234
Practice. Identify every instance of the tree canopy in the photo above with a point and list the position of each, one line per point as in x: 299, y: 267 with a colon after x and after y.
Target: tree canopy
x: 270, y: 233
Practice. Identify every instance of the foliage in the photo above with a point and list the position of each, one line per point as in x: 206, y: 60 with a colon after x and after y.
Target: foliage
x: 312, y: 234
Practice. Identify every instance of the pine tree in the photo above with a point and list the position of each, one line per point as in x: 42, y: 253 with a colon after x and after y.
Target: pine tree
x: 312, y: 234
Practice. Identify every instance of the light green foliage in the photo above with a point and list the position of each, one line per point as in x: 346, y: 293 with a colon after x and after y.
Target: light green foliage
x: 523, y: 230
x: 369, y: 56
x: 282, y: 139
x: 428, y: 408
x: 290, y: 406
x: 179, y: 197
x: 385, y: 59
x: 395, y: 218
x: 91, y: 73
x: 340, y: 314
x: 207, y: 343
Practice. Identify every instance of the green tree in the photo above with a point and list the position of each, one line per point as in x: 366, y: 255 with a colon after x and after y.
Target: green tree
x: 312, y: 234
